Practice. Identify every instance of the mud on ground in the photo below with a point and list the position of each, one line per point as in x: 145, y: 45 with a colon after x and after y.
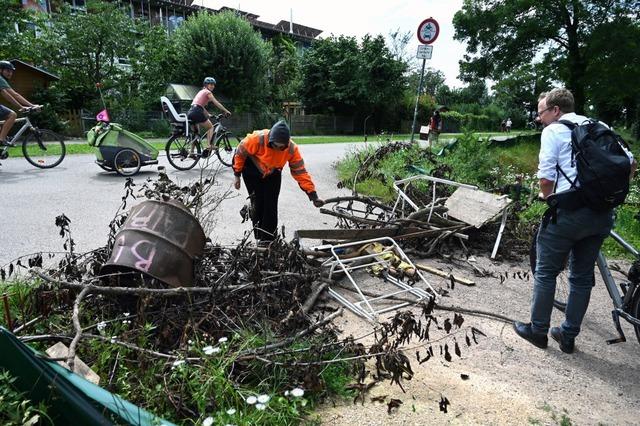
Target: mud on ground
x: 509, y: 380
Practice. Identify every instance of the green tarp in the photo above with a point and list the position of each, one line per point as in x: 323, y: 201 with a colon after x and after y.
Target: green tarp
x: 71, y: 400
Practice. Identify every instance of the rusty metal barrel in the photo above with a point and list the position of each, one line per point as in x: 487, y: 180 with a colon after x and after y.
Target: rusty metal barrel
x: 160, y: 239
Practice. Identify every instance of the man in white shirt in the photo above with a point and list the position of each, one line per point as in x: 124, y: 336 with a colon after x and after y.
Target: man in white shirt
x: 576, y: 234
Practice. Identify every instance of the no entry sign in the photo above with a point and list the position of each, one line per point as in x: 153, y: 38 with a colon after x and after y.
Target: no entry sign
x: 428, y: 31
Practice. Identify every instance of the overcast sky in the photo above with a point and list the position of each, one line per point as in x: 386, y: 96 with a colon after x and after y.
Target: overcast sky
x: 359, y: 17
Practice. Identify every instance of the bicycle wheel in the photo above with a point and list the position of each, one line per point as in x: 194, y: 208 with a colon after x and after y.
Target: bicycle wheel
x: 127, y: 162
x: 562, y: 280
x: 182, y: 152
x: 224, y: 150
x: 43, y: 149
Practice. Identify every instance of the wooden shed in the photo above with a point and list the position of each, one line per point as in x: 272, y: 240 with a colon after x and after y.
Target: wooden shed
x: 27, y: 79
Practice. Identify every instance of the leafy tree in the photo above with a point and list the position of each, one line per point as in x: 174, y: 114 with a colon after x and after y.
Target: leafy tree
x: 285, y: 70
x: 226, y: 47
x: 331, y: 79
x: 19, y: 27
x: 433, y: 80
x: 152, y: 65
x: 344, y: 77
x: 611, y: 76
x: 501, y: 36
x: 518, y: 91
x: 85, y: 49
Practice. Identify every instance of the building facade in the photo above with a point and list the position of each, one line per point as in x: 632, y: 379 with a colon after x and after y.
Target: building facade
x: 171, y: 13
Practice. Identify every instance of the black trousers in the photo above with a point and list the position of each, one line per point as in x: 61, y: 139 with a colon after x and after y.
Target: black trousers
x: 264, y: 193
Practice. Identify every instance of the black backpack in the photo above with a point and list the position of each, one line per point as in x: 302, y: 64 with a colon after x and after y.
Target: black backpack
x: 603, y: 165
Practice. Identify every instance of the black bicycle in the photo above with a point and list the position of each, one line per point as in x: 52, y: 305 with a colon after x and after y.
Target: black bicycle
x: 186, y: 146
x: 42, y: 148
x: 625, y: 295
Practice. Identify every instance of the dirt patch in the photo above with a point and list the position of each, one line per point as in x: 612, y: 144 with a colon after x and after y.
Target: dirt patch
x: 509, y: 380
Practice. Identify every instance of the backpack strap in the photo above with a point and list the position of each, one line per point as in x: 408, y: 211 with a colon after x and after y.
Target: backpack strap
x: 571, y: 125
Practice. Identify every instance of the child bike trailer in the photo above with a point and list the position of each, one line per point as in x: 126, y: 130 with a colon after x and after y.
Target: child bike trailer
x: 120, y: 150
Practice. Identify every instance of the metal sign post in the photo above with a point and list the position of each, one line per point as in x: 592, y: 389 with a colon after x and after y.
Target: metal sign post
x: 428, y: 32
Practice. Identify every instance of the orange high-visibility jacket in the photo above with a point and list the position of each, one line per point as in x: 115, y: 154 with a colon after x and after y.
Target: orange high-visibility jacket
x: 267, y: 160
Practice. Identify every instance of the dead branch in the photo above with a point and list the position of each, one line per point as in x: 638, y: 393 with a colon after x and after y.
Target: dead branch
x: 76, y: 325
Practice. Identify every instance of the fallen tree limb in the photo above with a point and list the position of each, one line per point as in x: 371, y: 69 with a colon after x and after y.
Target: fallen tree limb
x: 164, y: 292
x: 440, y: 307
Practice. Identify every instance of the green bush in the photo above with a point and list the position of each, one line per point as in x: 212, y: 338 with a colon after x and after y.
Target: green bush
x: 453, y: 121
x: 471, y: 160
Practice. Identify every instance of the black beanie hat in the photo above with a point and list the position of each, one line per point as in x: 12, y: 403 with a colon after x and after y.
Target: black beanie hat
x: 279, y: 133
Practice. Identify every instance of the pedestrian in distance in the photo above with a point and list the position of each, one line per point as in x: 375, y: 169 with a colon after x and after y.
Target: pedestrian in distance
x: 198, y: 112
x: 8, y: 115
x: 508, y: 125
x: 259, y: 160
x: 575, y: 231
x: 435, y: 127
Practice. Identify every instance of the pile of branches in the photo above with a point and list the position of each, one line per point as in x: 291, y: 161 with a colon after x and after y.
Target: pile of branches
x: 272, y: 291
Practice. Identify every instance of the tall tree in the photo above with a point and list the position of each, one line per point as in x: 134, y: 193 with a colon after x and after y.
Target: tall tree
x: 87, y: 48
x: 342, y: 76
x: 503, y: 35
x: 226, y: 47
x: 19, y: 28
x: 612, y: 74
x: 285, y: 70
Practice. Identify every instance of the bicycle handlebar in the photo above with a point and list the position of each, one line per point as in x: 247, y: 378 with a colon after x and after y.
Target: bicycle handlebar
x: 30, y: 110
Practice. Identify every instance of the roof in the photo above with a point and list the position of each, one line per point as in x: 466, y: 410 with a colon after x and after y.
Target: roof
x: 181, y: 92
x: 40, y: 70
x: 298, y: 29
x: 248, y: 15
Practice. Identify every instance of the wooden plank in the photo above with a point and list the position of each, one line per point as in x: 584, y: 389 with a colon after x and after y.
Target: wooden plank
x: 475, y: 207
x: 441, y: 273
x: 354, y: 234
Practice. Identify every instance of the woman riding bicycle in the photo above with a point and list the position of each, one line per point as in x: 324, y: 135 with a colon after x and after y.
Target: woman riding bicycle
x: 198, y: 112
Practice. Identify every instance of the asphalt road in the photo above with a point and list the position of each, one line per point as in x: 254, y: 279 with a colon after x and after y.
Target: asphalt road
x: 90, y: 197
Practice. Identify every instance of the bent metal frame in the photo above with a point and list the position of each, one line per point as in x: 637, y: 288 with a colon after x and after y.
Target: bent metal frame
x: 364, y: 307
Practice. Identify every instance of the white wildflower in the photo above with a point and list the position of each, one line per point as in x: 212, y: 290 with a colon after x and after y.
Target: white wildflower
x: 263, y: 399
x: 101, y: 325
x: 261, y: 407
x: 286, y: 393
x: 215, y: 350
x: 231, y: 411
x: 251, y: 400
x: 222, y: 339
x: 114, y: 339
x: 208, y: 350
x: 208, y: 421
x: 177, y: 363
x: 297, y: 392
x: 126, y: 314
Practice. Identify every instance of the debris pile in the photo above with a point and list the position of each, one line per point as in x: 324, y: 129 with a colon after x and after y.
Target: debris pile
x: 263, y: 309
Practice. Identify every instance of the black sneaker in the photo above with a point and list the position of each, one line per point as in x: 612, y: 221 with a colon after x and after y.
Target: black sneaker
x: 524, y: 330
x: 567, y: 345
x: 205, y: 153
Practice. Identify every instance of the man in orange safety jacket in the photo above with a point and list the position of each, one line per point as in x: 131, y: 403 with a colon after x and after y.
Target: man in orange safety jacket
x: 259, y: 159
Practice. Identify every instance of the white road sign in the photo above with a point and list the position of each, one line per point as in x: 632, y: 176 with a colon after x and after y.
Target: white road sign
x: 424, y: 51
